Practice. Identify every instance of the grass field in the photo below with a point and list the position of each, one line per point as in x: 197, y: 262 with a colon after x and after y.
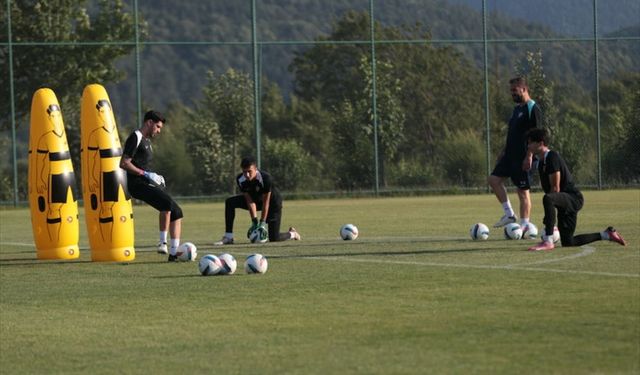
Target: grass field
x: 413, y: 295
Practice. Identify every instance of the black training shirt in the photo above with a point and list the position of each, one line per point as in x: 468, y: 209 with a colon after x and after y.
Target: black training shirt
x: 524, y: 117
x: 552, y: 163
x: 138, y: 148
x: 258, y: 186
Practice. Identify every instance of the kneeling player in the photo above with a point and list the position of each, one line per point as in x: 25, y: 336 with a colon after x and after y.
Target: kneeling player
x: 562, y: 195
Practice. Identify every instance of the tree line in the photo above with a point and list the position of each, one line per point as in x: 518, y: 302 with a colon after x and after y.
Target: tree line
x: 428, y: 127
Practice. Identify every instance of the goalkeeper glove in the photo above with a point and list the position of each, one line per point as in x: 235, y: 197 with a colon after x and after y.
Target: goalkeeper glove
x: 254, y: 226
x: 157, y: 179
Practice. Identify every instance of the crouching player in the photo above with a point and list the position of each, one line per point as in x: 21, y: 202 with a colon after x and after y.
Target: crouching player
x: 561, y: 195
x: 258, y: 194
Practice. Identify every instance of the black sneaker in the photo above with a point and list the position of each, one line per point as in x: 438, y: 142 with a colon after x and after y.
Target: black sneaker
x: 172, y: 258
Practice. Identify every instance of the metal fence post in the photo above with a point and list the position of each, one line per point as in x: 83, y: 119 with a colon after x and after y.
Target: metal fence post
x: 374, y: 103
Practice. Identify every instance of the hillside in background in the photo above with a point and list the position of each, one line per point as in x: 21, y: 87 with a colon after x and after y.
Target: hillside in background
x: 567, y: 17
x: 218, y: 36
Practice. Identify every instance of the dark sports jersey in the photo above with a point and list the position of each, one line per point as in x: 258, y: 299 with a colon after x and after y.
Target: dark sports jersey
x: 552, y: 163
x: 258, y: 186
x: 138, y: 148
x: 524, y: 117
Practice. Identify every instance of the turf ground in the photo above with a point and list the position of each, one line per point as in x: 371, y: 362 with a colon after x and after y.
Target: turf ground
x: 413, y: 295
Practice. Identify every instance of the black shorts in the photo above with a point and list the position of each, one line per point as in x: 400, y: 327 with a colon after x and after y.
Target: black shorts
x: 154, y: 196
x: 513, y: 169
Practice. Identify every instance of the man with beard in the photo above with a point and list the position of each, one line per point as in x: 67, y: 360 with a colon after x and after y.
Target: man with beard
x: 515, y: 161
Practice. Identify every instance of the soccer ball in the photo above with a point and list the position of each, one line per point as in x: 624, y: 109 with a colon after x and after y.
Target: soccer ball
x: 256, y: 263
x: 209, y: 265
x: 529, y: 232
x: 229, y: 264
x: 479, y: 231
x: 512, y: 231
x: 259, y: 235
x: 349, y: 232
x: 555, y: 237
x: 187, y: 252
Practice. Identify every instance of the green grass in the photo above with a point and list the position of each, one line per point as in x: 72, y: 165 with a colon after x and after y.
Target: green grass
x: 412, y: 295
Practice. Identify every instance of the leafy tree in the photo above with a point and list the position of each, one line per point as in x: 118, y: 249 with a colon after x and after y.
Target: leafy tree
x: 288, y: 162
x: 228, y: 98
x: 275, y: 115
x: 208, y: 157
x: 390, y: 116
x: 461, y: 159
x: 353, y: 150
x: 621, y: 128
x: 419, y: 83
x: 173, y: 157
x: 312, y: 125
x: 64, y: 68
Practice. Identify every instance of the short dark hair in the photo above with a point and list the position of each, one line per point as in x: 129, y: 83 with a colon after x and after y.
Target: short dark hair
x: 154, y: 116
x: 247, y: 161
x: 519, y: 81
x: 538, y: 135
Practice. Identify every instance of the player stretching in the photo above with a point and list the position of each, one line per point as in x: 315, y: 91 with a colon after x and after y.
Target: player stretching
x: 562, y: 195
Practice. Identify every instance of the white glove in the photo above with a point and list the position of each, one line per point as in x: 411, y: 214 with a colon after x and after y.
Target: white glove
x: 155, y: 178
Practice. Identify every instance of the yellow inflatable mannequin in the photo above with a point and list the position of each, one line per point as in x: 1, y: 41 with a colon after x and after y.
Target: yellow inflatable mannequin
x: 54, y: 208
x: 107, y: 203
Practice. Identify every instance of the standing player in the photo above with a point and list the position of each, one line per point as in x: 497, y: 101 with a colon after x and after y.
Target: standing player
x: 514, y: 161
x: 258, y: 194
x: 149, y: 186
x: 562, y: 195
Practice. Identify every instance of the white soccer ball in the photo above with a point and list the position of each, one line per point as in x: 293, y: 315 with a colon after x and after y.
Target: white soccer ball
x: 256, y: 263
x: 259, y: 235
x: 529, y: 232
x: 512, y: 231
x: 479, y: 231
x: 349, y: 232
x: 187, y: 252
x: 229, y: 264
x: 209, y: 265
x: 555, y: 237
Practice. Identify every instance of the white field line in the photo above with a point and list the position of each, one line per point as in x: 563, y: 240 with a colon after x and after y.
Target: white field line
x: 477, y: 266
x: 586, y: 250
x: 517, y: 267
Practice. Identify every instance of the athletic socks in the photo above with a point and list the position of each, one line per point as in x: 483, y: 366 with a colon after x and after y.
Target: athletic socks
x: 508, y: 210
x: 163, y: 236
x: 175, y: 242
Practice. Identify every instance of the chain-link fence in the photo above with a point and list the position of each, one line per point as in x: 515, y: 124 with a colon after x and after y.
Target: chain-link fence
x: 344, y: 96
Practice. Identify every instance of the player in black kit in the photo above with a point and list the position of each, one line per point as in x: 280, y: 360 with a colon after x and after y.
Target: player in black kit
x: 515, y: 162
x: 149, y: 186
x: 258, y: 194
x: 562, y: 195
